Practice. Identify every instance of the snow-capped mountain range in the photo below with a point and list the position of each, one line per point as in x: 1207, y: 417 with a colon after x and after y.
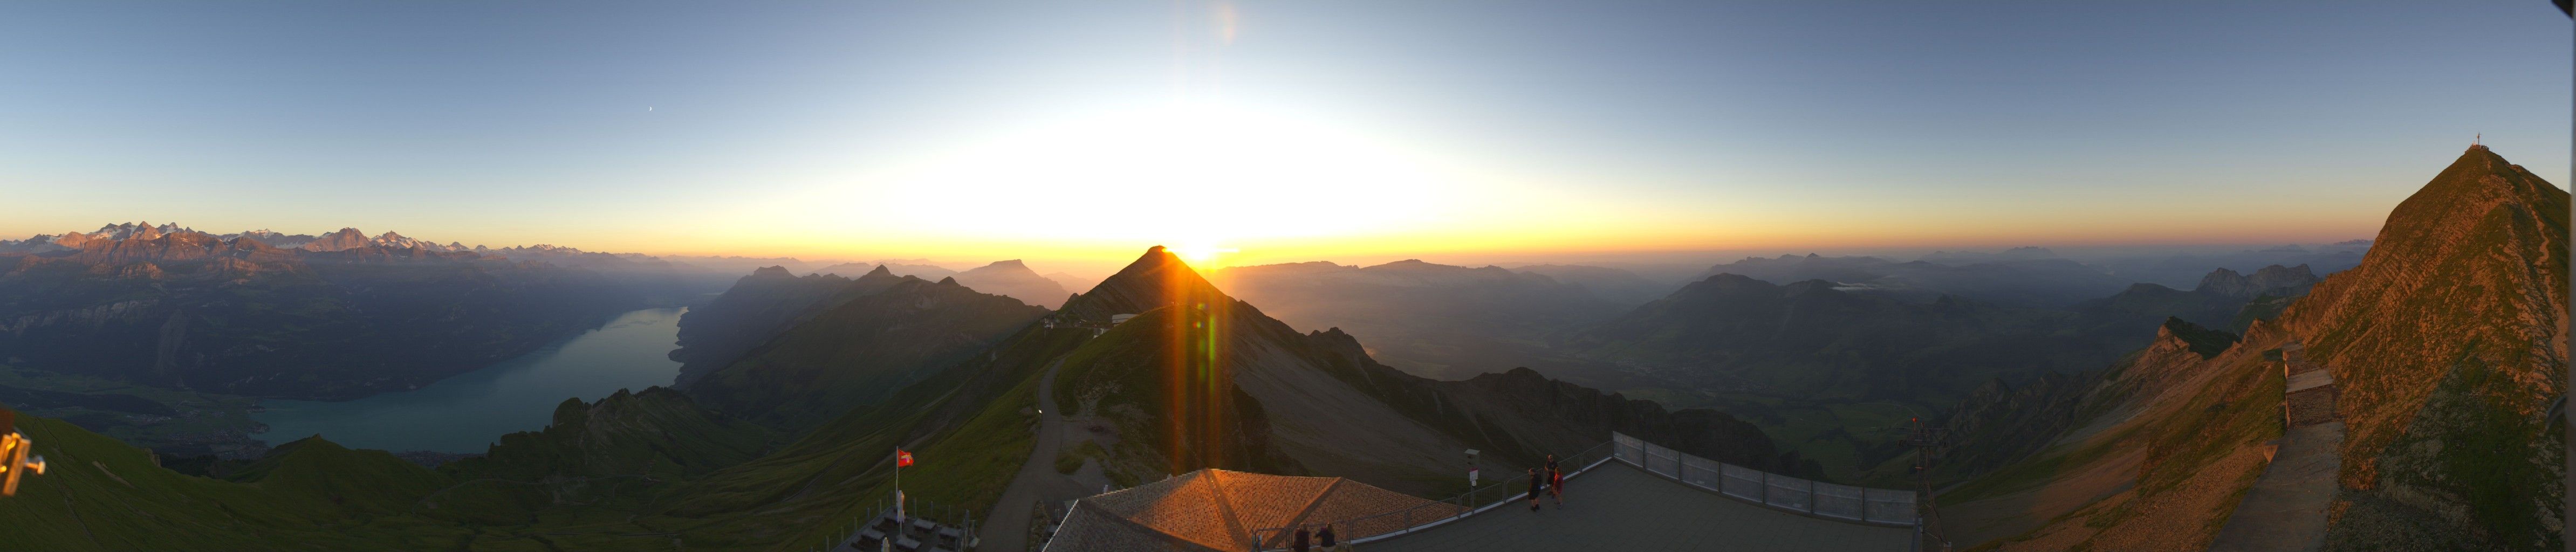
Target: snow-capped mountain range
x: 345, y: 238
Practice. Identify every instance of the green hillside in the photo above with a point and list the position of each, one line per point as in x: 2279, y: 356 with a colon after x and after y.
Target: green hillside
x: 98, y: 494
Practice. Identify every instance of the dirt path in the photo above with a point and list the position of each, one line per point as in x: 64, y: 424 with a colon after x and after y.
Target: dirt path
x: 1007, y: 526
x: 2287, y: 508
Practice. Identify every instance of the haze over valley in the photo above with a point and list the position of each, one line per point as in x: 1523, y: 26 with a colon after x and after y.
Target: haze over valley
x: 1212, y: 276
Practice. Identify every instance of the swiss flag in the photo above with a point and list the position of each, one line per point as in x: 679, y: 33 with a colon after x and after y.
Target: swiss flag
x: 901, y: 458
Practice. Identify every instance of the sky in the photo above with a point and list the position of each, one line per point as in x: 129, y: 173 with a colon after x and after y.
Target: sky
x: 1266, y: 131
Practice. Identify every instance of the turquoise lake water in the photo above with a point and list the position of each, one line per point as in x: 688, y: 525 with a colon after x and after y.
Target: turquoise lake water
x: 469, y: 411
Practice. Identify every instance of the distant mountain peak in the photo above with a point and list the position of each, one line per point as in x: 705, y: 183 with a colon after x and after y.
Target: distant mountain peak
x: 1014, y: 279
x: 1013, y: 266
x: 1730, y: 279
x: 2269, y: 280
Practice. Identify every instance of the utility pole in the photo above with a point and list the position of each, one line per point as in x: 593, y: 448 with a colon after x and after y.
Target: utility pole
x: 1927, y: 442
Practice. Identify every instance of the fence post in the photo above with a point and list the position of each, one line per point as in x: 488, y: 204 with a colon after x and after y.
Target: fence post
x: 1811, y: 496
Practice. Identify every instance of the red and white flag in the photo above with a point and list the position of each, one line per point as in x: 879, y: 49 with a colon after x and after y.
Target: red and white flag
x: 902, y: 458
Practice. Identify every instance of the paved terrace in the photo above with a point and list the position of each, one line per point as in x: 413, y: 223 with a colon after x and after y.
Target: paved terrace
x: 1616, y: 506
x: 2290, y: 504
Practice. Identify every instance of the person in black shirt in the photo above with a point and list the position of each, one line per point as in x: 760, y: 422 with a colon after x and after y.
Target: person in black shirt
x: 1300, y: 543
x: 1555, y: 480
x: 1537, y: 482
x: 1325, y: 537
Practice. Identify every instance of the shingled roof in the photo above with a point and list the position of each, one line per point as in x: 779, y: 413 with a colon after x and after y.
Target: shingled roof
x: 1219, y: 511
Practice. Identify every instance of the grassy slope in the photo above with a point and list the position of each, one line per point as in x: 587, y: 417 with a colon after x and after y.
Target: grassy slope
x: 658, y: 433
x: 2189, y: 440
x: 972, y: 424
x: 98, y: 494
x: 1121, y: 377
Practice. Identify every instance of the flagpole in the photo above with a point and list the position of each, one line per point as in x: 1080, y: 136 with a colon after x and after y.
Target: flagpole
x: 898, y: 482
x: 898, y: 487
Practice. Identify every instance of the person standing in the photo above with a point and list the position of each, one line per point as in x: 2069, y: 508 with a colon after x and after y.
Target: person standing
x: 1537, y: 482
x: 1299, y: 544
x: 1325, y: 537
x: 1555, y: 480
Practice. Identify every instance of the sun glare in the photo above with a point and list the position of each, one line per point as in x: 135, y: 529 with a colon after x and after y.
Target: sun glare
x: 1194, y: 176
x: 1201, y: 255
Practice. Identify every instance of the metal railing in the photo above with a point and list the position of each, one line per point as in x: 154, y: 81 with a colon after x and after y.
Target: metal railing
x: 1813, y: 498
x: 1374, y: 527
x: 947, y: 521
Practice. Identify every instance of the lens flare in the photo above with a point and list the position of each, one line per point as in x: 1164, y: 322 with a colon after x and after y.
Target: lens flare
x: 1201, y: 254
x: 1198, y: 382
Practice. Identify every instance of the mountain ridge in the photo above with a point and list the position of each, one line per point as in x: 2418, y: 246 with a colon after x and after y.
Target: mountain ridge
x: 2444, y: 345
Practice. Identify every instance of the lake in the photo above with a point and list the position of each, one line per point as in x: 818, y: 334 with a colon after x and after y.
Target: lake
x: 468, y: 412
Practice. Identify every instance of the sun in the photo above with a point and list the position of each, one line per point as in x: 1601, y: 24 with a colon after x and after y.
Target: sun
x: 1204, y: 254
x: 1213, y: 175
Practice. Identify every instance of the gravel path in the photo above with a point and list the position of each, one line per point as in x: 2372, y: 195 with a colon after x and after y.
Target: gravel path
x: 1007, y: 526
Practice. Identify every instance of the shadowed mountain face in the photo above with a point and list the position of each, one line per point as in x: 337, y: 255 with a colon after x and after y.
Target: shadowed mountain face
x: 2445, y: 345
x: 1614, y: 285
x: 1815, y: 341
x: 874, y: 335
x: 237, y: 316
x: 759, y: 307
x: 1835, y: 370
x: 917, y: 268
x: 2224, y: 299
x: 2028, y: 277
x: 2001, y: 423
x: 1430, y: 319
x: 2271, y: 280
x: 1317, y: 403
x: 2183, y: 270
x: 656, y: 433
x: 1165, y: 394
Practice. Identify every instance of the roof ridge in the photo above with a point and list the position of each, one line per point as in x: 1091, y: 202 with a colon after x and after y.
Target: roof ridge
x: 1225, y: 508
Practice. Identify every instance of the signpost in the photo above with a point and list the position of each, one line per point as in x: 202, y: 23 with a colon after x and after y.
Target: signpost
x: 15, y: 458
x: 1471, y: 469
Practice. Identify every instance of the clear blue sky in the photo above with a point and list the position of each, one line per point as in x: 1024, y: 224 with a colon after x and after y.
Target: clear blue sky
x: 843, y: 128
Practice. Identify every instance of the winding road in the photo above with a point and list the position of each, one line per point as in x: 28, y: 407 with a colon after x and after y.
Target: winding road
x: 1007, y: 526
